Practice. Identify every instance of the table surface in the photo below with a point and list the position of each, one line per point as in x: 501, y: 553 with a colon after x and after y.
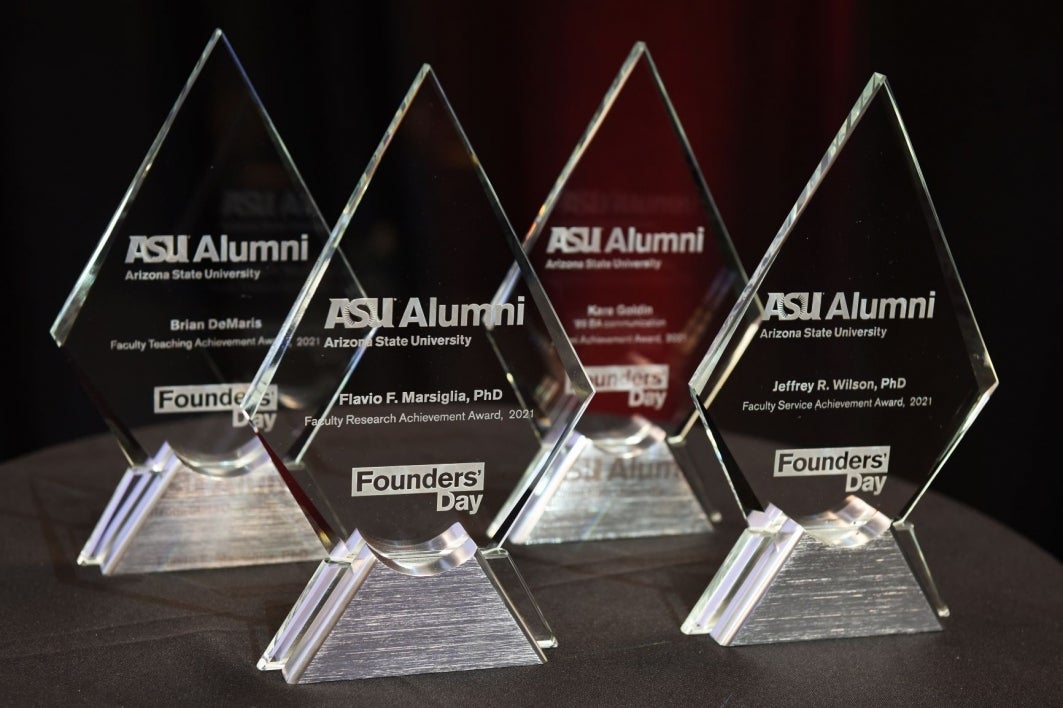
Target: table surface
x: 71, y: 636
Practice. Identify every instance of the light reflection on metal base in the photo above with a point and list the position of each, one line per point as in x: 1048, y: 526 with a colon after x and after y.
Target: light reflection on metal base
x: 358, y: 618
x: 165, y: 516
x: 783, y: 583
x: 594, y: 493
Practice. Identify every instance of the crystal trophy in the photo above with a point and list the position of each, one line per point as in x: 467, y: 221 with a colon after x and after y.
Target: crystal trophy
x: 841, y: 382
x: 171, y: 318
x: 437, y: 399
x: 633, y: 254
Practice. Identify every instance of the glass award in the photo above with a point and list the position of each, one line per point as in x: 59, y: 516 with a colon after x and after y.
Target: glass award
x: 841, y: 382
x: 171, y: 318
x: 429, y: 408
x: 633, y: 253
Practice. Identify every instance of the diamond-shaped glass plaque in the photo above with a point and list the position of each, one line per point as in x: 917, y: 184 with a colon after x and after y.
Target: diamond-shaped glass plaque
x: 194, y: 275
x: 452, y: 387
x: 631, y: 249
x: 173, y: 315
x: 849, y: 369
x: 853, y: 363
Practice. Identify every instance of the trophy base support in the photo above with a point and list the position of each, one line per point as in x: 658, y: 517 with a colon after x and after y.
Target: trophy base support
x: 595, y: 494
x: 165, y: 516
x: 360, y: 619
x: 780, y: 583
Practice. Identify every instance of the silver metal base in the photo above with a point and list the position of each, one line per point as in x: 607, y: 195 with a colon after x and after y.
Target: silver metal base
x: 596, y: 493
x: 783, y: 582
x: 358, y: 618
x: 165, y: 516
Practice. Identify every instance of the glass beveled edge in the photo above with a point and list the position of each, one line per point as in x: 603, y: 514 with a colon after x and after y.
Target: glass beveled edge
x: 275, y: 138
x: 748, y: 297
x: 981, y: 365
x: 257, y: 389
x: 576, y: 402
x: 264, y: 377
x: 708, y: 202
x: 637, y: 52
x: 60, y: 329
x: 723, y: 236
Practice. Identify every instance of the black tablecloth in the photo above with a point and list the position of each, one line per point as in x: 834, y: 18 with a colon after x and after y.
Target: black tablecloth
x: 71, y: 636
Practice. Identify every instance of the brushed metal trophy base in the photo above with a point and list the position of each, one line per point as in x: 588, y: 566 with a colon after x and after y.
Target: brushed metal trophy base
x: 782, y: 582
x: 598, y: 493
x: 359, y: 618
x: 165, y: 516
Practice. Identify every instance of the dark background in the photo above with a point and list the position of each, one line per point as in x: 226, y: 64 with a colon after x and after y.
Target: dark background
x: 761, y: 88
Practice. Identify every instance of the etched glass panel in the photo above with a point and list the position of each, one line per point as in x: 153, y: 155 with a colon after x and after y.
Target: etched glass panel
x: 451, y: 386
x: 852, y: 364
x: 194, y: 276
x: 633, y: 254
